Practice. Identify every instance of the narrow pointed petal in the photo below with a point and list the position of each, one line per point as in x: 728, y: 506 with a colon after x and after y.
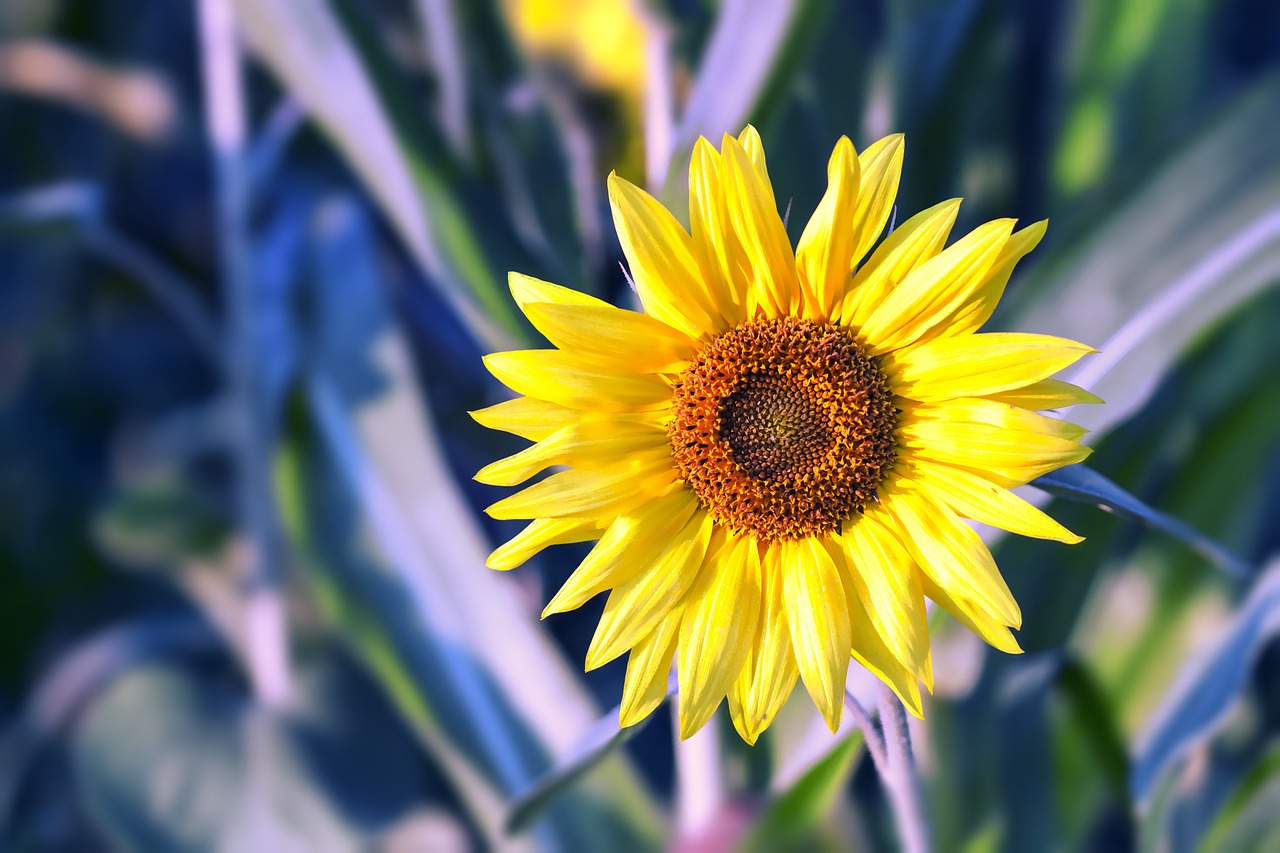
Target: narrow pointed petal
x: 979, y: 306
x: 991, y: 630
x: 616, y: 340
x: 881, y: 167
x: 773, y: 288
x: 541, y: 533
x: 951, y: 553
x: 1045, y: 394
x: 824, y: 255
x: 635, y: 606
x: 910, y: 245
x: 932, y: 293
x: 662, y: 263
x: 886, y: 581
x: 714, y: 242
x: 591, y: 493
x: 973, y: 496
x: 648, y: 668
x: 526, y: 290
x: 870, y: 651
x: 558, y: 377
x: 527, y: 417
x: 630, y: 544
x: 582, y: 445
x: 770, y: 675
x: 753, y: 145
x: 977, y: 365
x: 719, y: 624
x: 1007, y: 445
x: 818, y: 619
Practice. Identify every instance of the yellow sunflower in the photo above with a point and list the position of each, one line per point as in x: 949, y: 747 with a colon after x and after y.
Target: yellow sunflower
x: 778, y: 455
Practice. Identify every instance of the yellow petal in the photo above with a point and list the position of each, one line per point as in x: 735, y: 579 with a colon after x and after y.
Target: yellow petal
x: 526, y: 290
x: 886, y: 580
x: 770, y: 673
x: 976, y: 497
x: 666, y: 274
x: 824, y: 254
x: 648, y: 668
x: 714, y: 242
x: 973, y: 617
x: 976, y: 365
x: 950, y: 553
x: 617, y: 340
x: 870, y: 651
x: 591, y: 493
x: 716, y: 631
x: 773, y: 286
x: 527, y: 417
x: 881, y: 167
x: 582, y: 444
x: 751, y: 143
x: 1045, y: 394
x: 540, y: 533
x: 930, y: 295
x: 1008, y: 445
x: 978, y: 307
x: 637, y: 605
x: 629, y: 545
x: 910, y: 245
x: 818, y: 619
x: 558, y: 377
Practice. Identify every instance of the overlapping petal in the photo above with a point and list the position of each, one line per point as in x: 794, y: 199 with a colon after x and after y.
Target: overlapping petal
x: 934, y: 291
x: 978, y: 365
x: 770, y: 673
x: 818, y: 620
x: 559, y: 377
x: 666, y: 274
x: 772, y: 288
x: 716, y: 630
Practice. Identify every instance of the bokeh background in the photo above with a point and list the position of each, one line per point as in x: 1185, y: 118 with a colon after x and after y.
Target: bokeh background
x: 251, y: 252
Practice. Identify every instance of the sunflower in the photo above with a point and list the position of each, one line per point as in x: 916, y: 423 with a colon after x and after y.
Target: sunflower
x: 778, y: 455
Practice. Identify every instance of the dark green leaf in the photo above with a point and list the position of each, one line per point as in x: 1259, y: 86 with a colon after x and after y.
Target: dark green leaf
x: 794, y: 815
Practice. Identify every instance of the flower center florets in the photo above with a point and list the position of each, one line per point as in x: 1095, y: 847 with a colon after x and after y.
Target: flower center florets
x: 783, y: 428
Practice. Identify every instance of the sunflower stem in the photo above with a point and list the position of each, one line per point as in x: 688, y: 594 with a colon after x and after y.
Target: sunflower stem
x: 899, y: 775
x: 871, y: 735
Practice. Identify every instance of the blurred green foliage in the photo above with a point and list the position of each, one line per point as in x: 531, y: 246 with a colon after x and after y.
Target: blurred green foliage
x: 375, y: 687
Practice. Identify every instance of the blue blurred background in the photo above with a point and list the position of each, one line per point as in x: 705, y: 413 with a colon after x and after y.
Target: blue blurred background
x: 251, y: 252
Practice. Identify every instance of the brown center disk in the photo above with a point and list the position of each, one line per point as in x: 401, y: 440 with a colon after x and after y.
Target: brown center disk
x: 783, y: 428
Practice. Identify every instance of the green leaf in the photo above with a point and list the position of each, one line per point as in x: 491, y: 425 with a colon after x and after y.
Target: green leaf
x: 166, y: 762
x: 601, y: 739
x: 399, y: 556
x: 1156, y: 272
x: 1096, y: 724
x: 795, y: 814
x: 1248, y: 820
x: 747, y: 61
x: 1082, y: 484
x: 1208, y: 685
x: 320, y: 64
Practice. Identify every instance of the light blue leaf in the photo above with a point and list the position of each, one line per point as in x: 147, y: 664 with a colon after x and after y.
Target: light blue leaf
x: 1082, y: 484
x: 1200, y: 698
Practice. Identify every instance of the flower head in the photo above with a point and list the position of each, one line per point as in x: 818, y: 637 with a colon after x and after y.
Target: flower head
x: 776, y: 458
